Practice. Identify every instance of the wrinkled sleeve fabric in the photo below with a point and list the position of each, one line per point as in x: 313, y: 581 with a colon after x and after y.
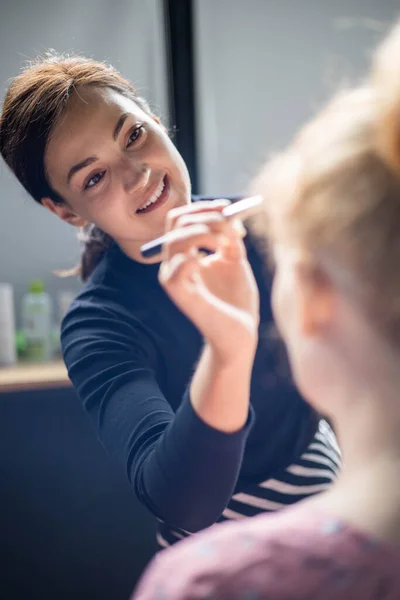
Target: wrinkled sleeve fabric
x: 183, y: 470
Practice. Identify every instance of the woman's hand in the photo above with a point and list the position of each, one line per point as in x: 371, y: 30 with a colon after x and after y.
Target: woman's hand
x: 218, y: 292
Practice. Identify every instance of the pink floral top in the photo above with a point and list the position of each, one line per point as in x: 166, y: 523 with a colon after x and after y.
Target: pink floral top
x: 296, y: 554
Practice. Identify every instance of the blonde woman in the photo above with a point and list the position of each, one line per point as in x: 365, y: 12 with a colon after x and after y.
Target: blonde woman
x: 332, y: 218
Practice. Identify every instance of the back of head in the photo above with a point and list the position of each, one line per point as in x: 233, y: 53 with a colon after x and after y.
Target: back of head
x: 33, y: 104
x: 336, y: 189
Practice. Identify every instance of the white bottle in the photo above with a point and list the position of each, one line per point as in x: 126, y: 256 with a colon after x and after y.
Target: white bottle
x: 8, y: 354
x: 37, y: 322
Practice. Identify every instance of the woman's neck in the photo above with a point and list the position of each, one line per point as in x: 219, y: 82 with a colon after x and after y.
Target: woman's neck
x: 366, y: 419
x: 132, y: 251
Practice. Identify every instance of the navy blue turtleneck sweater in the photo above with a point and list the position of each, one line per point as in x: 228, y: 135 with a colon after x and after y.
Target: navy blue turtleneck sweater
x: 131, y: 353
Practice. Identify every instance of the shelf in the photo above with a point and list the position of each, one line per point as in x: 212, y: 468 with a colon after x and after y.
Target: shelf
x: 23, y: 377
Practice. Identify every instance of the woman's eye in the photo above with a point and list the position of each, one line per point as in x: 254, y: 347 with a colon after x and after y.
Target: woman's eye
x: 135, y: 135
x: 94, y: 180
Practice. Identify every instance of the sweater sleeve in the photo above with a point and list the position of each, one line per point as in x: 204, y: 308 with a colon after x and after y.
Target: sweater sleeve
x: 294, y: 554
x: 183, y: 470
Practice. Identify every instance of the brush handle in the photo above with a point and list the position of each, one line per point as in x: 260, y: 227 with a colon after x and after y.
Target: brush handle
x: 240, y: 209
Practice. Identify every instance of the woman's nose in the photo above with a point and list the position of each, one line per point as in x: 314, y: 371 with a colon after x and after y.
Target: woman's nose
x: 135, y: 177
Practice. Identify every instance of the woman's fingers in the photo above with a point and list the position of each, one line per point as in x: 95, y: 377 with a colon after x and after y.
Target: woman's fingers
x: 216, y: 206
x: 182, y: 240
x: 231, y: 246
x: 213, y: 219
x: 181, y: 280
x: 228, y: 234
x: 178, y: 267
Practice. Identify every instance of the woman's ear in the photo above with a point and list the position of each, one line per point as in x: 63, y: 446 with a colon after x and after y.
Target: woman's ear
x: 64, y: 213
x: 315, y: 298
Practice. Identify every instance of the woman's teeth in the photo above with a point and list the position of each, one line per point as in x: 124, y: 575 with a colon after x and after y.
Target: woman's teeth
x: 154, y: 197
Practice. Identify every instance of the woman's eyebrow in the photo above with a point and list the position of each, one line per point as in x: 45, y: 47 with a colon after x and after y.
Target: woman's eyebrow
x: 119, y: 124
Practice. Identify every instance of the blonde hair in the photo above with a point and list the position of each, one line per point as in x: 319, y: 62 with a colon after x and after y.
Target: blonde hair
x: 336, y: 190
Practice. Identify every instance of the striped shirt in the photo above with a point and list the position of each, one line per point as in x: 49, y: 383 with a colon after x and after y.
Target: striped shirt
x: 312, y: 473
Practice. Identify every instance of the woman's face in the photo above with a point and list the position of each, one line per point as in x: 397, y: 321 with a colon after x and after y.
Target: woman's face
x: 303, y: 312
x: 115, y: 166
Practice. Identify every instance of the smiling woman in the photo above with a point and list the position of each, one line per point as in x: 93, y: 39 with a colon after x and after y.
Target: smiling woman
x: 113, y: 180
x: 70, y: 165
x: 169, y: 392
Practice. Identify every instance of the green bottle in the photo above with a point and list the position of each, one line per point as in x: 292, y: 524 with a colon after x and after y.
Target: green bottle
x: 37, y: 322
